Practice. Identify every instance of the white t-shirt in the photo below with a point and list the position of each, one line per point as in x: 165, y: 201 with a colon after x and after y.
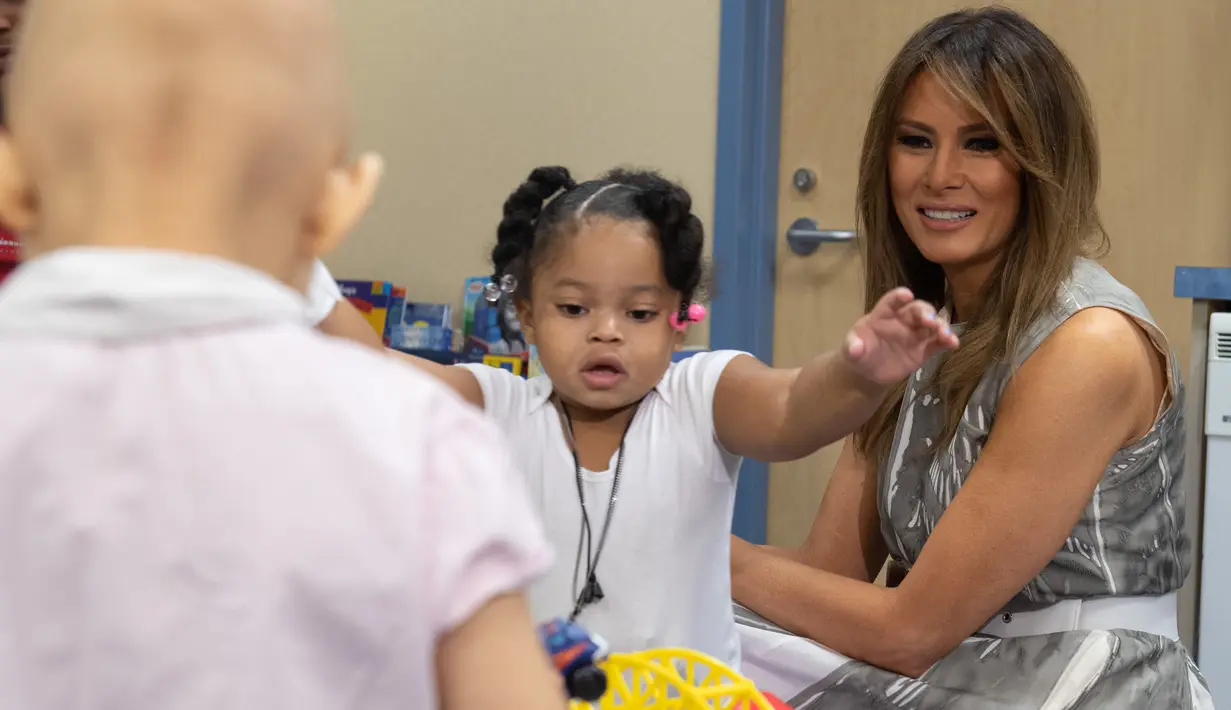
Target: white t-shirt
x: 666, y: 570
x: 323, y: 293
x: 206, y: 504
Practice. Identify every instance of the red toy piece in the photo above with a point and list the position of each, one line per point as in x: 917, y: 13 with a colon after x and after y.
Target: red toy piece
x: 10, y: 253
x: 774, y: 703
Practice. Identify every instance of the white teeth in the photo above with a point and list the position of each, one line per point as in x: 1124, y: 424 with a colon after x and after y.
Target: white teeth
x: 949, y: 214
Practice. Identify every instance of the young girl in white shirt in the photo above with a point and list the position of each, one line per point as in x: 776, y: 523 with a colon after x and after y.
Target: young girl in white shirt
x: 632, y: 460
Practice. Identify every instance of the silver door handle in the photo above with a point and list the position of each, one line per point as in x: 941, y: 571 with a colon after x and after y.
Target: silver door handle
x: 804, y: 238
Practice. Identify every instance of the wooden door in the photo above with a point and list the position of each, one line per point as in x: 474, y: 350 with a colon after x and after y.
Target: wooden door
x: 1156, y: 74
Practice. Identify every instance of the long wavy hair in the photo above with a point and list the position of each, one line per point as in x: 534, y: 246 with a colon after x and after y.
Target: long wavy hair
x: 1003, y: 67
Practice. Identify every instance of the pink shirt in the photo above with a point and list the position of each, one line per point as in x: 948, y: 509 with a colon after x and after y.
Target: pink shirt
x: 208, y: 506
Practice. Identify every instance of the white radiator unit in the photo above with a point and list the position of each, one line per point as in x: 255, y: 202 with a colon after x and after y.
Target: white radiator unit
x: 1214, y: 620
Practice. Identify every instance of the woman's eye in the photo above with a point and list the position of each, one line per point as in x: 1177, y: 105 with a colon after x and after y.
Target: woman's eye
x: 983, y: 145
x: 571, y: 309
x: 914, y: 142
x: 642, y: 315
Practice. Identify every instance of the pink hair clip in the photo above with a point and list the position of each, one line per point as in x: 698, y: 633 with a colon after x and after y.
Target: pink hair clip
x: 696, y: 314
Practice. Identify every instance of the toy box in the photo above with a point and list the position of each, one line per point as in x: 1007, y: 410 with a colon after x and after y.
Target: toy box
x: 534, y: 368
x: 489, y: 328
x: 496, y: 330
x: 397, y: 309
x: 472, y: 297
x: 515, y: 364
x: 422, y: 326
x: 372, y: 299
x: 430, y: 337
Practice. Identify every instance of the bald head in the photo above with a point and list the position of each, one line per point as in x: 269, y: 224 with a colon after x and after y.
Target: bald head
x: 161, y: 114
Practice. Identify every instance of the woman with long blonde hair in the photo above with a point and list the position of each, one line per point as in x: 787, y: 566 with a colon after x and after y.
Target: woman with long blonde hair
x: 1030, y: 481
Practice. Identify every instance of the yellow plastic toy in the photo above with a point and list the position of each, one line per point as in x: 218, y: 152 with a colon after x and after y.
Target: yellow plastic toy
x: 512, y: 363
x: 673, y: 679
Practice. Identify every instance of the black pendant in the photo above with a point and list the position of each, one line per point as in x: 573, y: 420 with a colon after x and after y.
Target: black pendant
x: 593, y: 591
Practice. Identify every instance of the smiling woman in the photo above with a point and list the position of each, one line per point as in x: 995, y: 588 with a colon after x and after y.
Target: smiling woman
x: 942, y: 144
x: 1030, y: 481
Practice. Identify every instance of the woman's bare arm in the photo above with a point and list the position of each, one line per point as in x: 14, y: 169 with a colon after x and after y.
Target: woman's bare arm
x: 1092, y: 387
x: 777, y: 414
x: 845, y: 538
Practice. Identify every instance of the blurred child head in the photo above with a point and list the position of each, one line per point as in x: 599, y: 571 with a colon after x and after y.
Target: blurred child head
x: 599, y: 269
x: 207, y: 127
x: 10, y: 18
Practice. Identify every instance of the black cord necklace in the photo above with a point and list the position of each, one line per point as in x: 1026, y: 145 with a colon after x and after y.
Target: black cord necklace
x: 592, y: 592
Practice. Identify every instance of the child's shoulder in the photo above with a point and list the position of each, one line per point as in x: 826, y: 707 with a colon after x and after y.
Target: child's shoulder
x: 695, y: 374
x: 507, y: 396
x: 687, y: 392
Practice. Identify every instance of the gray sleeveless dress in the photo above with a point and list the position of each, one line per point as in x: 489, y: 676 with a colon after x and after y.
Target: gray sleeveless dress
x: 1130, y: 541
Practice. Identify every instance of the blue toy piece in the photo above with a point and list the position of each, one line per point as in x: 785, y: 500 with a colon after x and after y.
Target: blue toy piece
x: 576, y: 653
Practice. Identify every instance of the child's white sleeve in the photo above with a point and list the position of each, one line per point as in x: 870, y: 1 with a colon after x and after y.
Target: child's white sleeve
x: 506, y: 397
x: 485, y: 539
x: 689, y: 387
x: 323, y: 294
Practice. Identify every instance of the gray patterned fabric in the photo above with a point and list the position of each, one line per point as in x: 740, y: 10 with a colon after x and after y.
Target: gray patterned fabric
x: 1075, y: 670
x: 1130, y: 541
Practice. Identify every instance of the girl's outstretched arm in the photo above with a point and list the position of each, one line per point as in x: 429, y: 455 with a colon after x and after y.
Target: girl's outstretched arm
x: 345, y: 321
x: 773, y: 414
x: 459, y: 379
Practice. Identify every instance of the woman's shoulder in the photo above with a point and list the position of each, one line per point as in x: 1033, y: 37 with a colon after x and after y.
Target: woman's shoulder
x: 1101, y: 333
x: 1090, y: 284
x: 1102, y: 306
x: 1097, y: 354
x: 1098, y: 351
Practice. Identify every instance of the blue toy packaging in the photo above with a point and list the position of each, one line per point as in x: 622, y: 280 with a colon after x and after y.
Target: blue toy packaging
x: 534, y: 368
x: 472, y: 297
x: 397, y: 309
x: 490, y: 328
x: 490, y: 332
x: 423, y: 326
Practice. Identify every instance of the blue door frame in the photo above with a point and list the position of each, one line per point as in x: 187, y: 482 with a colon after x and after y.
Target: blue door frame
x: 745, y: 229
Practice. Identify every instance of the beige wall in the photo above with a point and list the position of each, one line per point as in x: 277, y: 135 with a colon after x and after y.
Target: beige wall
x: 464, y: 97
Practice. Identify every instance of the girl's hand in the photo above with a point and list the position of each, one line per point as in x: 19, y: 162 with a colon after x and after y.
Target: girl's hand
x: 896, y: 338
